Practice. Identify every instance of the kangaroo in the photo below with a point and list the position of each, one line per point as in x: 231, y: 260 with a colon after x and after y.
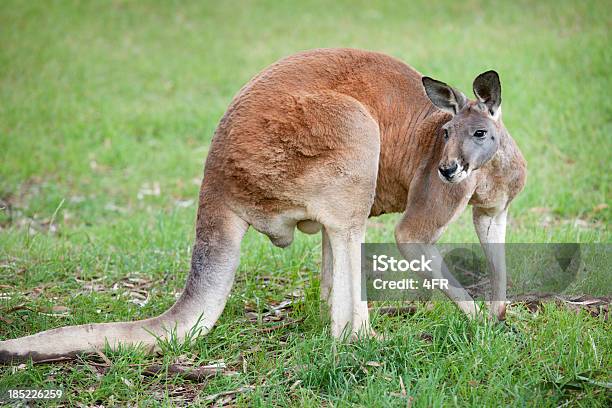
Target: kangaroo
x: 321, y: 141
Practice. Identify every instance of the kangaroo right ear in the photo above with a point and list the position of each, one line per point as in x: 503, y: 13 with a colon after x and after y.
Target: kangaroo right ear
x: 444, y: 96
x: 487, y: 89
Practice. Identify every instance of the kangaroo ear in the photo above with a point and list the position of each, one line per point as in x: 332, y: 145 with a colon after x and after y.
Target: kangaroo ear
x: 443, y: 96
x: 487, y: 89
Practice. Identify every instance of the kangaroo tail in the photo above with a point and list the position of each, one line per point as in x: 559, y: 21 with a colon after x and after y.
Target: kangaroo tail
x: 215, y: 258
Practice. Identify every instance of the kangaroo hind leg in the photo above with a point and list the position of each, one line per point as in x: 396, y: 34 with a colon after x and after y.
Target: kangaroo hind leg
x: 215, y: 257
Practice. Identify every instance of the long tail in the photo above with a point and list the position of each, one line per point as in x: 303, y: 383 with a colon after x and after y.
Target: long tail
x: 214, y: 261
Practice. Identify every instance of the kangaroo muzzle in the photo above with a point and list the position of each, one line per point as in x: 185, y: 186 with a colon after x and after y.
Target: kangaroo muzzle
x: 453, y: 172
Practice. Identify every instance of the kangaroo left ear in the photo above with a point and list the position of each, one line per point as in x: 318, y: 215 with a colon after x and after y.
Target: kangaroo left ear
x: 443, y: 96
x: 487, y: 89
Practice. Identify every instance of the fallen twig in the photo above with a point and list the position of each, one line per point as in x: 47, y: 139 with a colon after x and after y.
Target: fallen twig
x: 53, y: 360
x: 20, y: 307
x: 197, y: 374
x: 5, y: 320
x: 395, y: 311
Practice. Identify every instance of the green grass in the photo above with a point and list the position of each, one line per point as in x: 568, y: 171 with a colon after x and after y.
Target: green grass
x: 101, y: 101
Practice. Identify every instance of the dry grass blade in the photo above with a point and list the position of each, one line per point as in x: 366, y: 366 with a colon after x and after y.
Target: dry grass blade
x: 103, y: 357
x: 269, y: 329
x: 593, y: 305
x: 240, y: 390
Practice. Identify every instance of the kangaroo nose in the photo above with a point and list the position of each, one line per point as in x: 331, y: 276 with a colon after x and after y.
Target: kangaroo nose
x: 448, y: 171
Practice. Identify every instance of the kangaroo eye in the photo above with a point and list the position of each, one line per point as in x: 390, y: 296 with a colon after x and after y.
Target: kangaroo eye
x: 445, y: 134
x: 480, y: 133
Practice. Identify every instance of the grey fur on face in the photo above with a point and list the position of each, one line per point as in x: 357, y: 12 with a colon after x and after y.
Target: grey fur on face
x: 472, y: 136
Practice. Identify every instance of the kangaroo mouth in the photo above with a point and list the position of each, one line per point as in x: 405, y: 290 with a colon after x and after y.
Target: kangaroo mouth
x: 460, y: 174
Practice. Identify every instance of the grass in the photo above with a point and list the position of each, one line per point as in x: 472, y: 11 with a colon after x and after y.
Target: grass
x: 107, y: 111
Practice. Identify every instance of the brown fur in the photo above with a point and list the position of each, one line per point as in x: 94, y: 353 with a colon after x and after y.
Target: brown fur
x: 291, y: 119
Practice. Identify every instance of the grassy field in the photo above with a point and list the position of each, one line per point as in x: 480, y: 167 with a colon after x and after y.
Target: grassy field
x: 106, y: 113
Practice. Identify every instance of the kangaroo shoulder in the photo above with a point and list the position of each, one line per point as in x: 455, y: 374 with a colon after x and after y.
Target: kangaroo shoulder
x: 502, y: 179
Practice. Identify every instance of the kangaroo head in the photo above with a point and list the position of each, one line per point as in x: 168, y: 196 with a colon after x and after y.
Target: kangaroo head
x: 473, y: 134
